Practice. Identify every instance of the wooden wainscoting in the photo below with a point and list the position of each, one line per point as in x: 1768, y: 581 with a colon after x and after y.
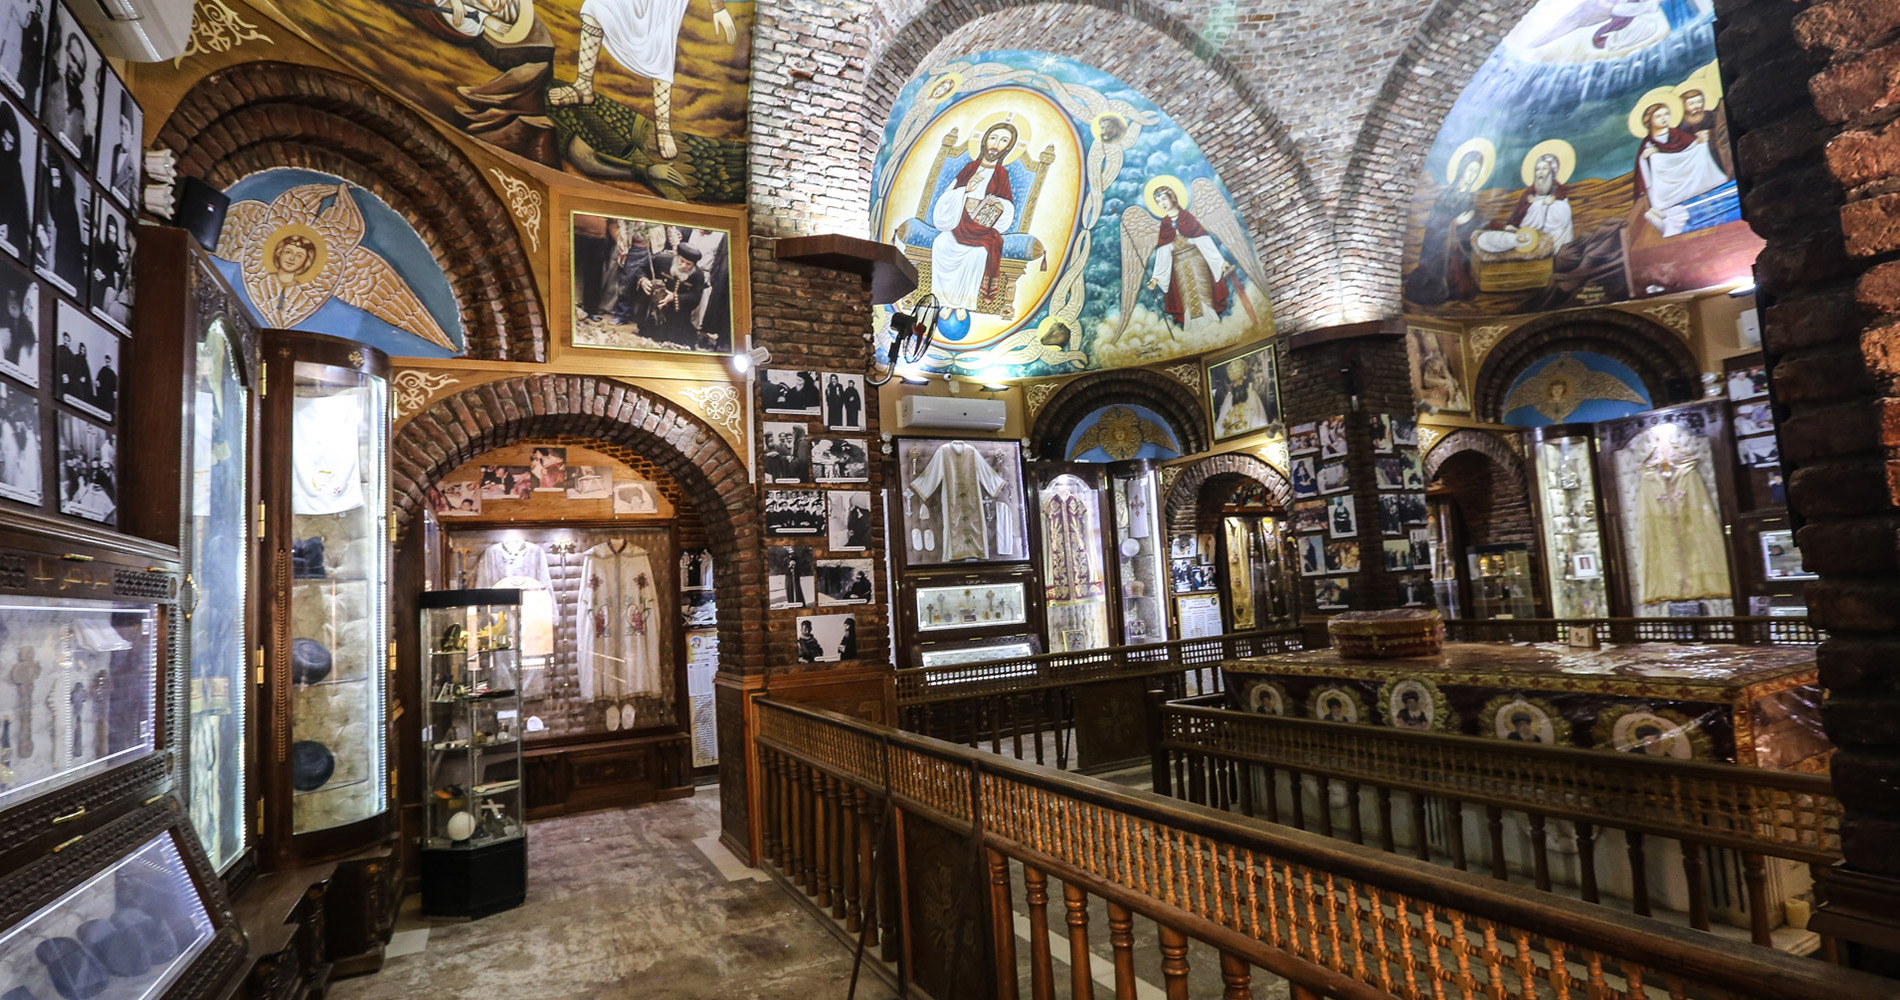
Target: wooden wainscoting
x: 580, y: 777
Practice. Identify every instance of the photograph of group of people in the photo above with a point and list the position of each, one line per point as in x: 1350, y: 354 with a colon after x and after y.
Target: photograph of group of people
x: 640, y: 284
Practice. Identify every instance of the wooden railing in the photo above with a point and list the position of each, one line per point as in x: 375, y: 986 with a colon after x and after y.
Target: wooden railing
x: 1233, y: 760
x: 1745, y: 630
x: 1333, y: 919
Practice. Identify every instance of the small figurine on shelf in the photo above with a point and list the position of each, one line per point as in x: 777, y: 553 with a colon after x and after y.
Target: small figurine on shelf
x: 454, y: 639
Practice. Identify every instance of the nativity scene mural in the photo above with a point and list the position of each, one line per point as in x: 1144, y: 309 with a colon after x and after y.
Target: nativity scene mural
x: 1587, y: 162
x: 1059, y: 222
x: 310, y: 251
x: 647, y: 93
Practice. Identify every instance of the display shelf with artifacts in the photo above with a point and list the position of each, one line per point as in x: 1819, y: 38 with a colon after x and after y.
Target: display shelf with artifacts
x: 1502, y: 584
x: 1141, y: 555
x: 1668, y: 487
x: 474, y: 846
x: 131, y: 912
x: 1445, y: 529
x: 88, y: 716
x: 325, y: 435
x: 1069, y: 533
x: 1576, y: 564
x: 603, y: 656
x: 195, y: 406
x: 1258, y: 570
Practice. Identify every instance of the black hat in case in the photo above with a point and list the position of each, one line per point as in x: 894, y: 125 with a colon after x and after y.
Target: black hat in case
x: 309, y: 661
x: 75, y: 973
x: 311, y: 764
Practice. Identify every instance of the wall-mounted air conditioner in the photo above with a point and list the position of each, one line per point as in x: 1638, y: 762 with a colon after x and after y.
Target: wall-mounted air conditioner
x: 138, y: 30
x: 951, y: 413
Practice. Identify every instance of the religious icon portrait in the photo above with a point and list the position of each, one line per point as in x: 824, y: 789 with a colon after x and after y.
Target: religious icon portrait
x: 1437, y: 361
x: 1334, y: 703
x: 646, y: 285
x: 1243, y: 394
x: 1522, y: 720
x: 1266, y: 698
x: 1652, y: 732
x: 1414, y: 703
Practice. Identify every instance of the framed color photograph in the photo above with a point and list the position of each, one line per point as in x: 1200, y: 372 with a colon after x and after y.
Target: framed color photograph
x: 635, y: 496
x: 460, y: 499
x: 643, y: 284
x: 1243, y: 393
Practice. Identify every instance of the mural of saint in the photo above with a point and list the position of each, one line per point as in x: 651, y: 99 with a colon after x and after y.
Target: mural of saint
x: 643, y: 37
x: 1674, y: 167
x: 1184, y: 259
x: 310, y: 259
x: 972, y: 214
x: 1443, y: 272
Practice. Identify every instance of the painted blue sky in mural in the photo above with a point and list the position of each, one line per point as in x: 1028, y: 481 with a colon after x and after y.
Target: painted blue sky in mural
x: 1152, y: 435
x: 303, y: 258
x: 1594, y: 407
x: 1112, y: 150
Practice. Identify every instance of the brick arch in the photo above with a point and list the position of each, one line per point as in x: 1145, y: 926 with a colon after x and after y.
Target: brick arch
x: 255, y: 116
x: 1653, y: 351
x: 1185, y: 497
x: 1484, y: 443
x: 1064, y: 412
x: 1381, y: 176
x: 1165, y: 60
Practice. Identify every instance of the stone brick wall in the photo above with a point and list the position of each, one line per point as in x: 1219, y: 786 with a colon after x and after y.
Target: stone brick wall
x: 1490, y: 485
x: 1814, y: 89
x: 1179, y: 404
x: 1191, y: 505
x: 256, y: 116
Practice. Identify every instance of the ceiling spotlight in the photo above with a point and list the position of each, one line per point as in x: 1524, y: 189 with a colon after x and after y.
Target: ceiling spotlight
x: 744, y: 361
x: 1744, y: 286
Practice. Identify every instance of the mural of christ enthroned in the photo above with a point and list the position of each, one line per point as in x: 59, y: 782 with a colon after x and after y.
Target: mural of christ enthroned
x: 969, y: 238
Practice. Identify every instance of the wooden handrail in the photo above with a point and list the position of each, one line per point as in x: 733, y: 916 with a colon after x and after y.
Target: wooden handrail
x: 1333, y: 918
x: 963, y: 681
x: 1776, y: 813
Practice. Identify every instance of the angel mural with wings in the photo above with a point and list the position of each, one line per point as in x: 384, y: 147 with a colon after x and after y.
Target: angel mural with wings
x: 305, y: 248
x: 1195, y: 262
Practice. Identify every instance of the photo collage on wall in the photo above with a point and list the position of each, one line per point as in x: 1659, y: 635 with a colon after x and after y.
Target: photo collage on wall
x: 545, y: 476
x: 70, y: 136
x: 1192, y: 564
x: 807, y: 446
x: 1330, y: 523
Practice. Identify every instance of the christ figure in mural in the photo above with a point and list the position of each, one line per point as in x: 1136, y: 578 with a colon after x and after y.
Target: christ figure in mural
x: 1673, y: 167
x: 972, y: 214
x: 643, y: 37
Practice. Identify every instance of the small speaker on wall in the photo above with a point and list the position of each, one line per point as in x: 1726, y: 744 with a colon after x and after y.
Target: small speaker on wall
x: 200, y: 212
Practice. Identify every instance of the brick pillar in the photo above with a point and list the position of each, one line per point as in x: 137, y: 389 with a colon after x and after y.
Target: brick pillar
x: 1314, y: 386
x: 1813, y: 89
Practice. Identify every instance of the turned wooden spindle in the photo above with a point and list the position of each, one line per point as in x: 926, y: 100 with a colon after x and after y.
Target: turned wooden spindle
x: 1081, y: 976
x: 1042, y: 981
x: 1237, y: 976
x: 1121, y: 940
x: 1002, y: 926
x: 1174, y: 963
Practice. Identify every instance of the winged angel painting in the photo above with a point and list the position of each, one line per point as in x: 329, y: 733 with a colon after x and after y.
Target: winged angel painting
x: 1059, y: 222
x: 307, y: 259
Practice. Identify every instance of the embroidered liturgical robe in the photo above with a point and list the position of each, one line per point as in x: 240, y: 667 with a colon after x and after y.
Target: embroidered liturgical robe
x: 618, y: 635
x: 966, y: 481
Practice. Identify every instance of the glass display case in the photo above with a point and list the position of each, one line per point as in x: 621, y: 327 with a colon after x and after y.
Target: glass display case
x: 76, y: 695
x: 129, y: 915
x: 1501, y: 582
x: 970, y: 605
x: 1443, y: 530
x: 474, y: 856
x: 1074, y: 580
x: 325, y: 439
x: 1141, y: 551
x: 1564, y: 457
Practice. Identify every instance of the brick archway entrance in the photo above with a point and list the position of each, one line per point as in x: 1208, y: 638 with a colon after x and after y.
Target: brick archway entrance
x: 710, y: 475
x: 1185, y: 497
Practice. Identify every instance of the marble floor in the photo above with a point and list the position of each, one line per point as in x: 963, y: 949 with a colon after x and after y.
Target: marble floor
x: 636, y: 903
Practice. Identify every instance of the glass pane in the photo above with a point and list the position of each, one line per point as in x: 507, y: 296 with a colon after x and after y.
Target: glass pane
x: 77, y: 689
x: 219, y: 539
x: 1575, y: 567
x: 1074, y: 586
x: 472, y: 740
x: 336, y: 603
x: 124, y: 934
x: 1142, y: 550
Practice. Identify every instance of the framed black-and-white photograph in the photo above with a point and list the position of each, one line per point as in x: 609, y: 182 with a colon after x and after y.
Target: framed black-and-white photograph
x: 1756, y: 452
x: 1334, y: 477
x: 1342, y: 518
x: 1398, y: 554
x: 848, y: 519
x: 590, y: 482
x: 1380, y: 425
x: 111, y: 266
x: 1312, y: 554
x: 635, y: 496
x: 88, y: 470
x: 62, y: 232
x: 1391, y: 514
x: 1332, y: 437
x: 19, y: 325
x: 1243, y: 393
x: 647, y: 285
x: 19, y: 444
x: 86, y: 364
x: 1388, y: 472
x: 696, y: 569
x: 699, y: 609
x: 1413, y: 504
x: 792, y: 393
x: 1414, y: 468
x: 845, y: 581
x: 1333, y: 593
x: 827, y: 638
x: 962, y: 501
x: 1415, y: 590
x: 23, y: 25
x: 1404, y: 431
x: 844, y: 402
x: 121, y: 135
x: 19, y: 179
x: 1305, y: 477
x: 787, y: 453
x: 788, y: 571
x: 794, y: 512
x: 73, y: 76
x: 840, y: 460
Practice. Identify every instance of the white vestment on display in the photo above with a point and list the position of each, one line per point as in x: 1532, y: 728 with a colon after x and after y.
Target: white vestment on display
x: 967, y: 481
x: 642, y: 35
x: 325, y: 465
x: 618, y: 632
